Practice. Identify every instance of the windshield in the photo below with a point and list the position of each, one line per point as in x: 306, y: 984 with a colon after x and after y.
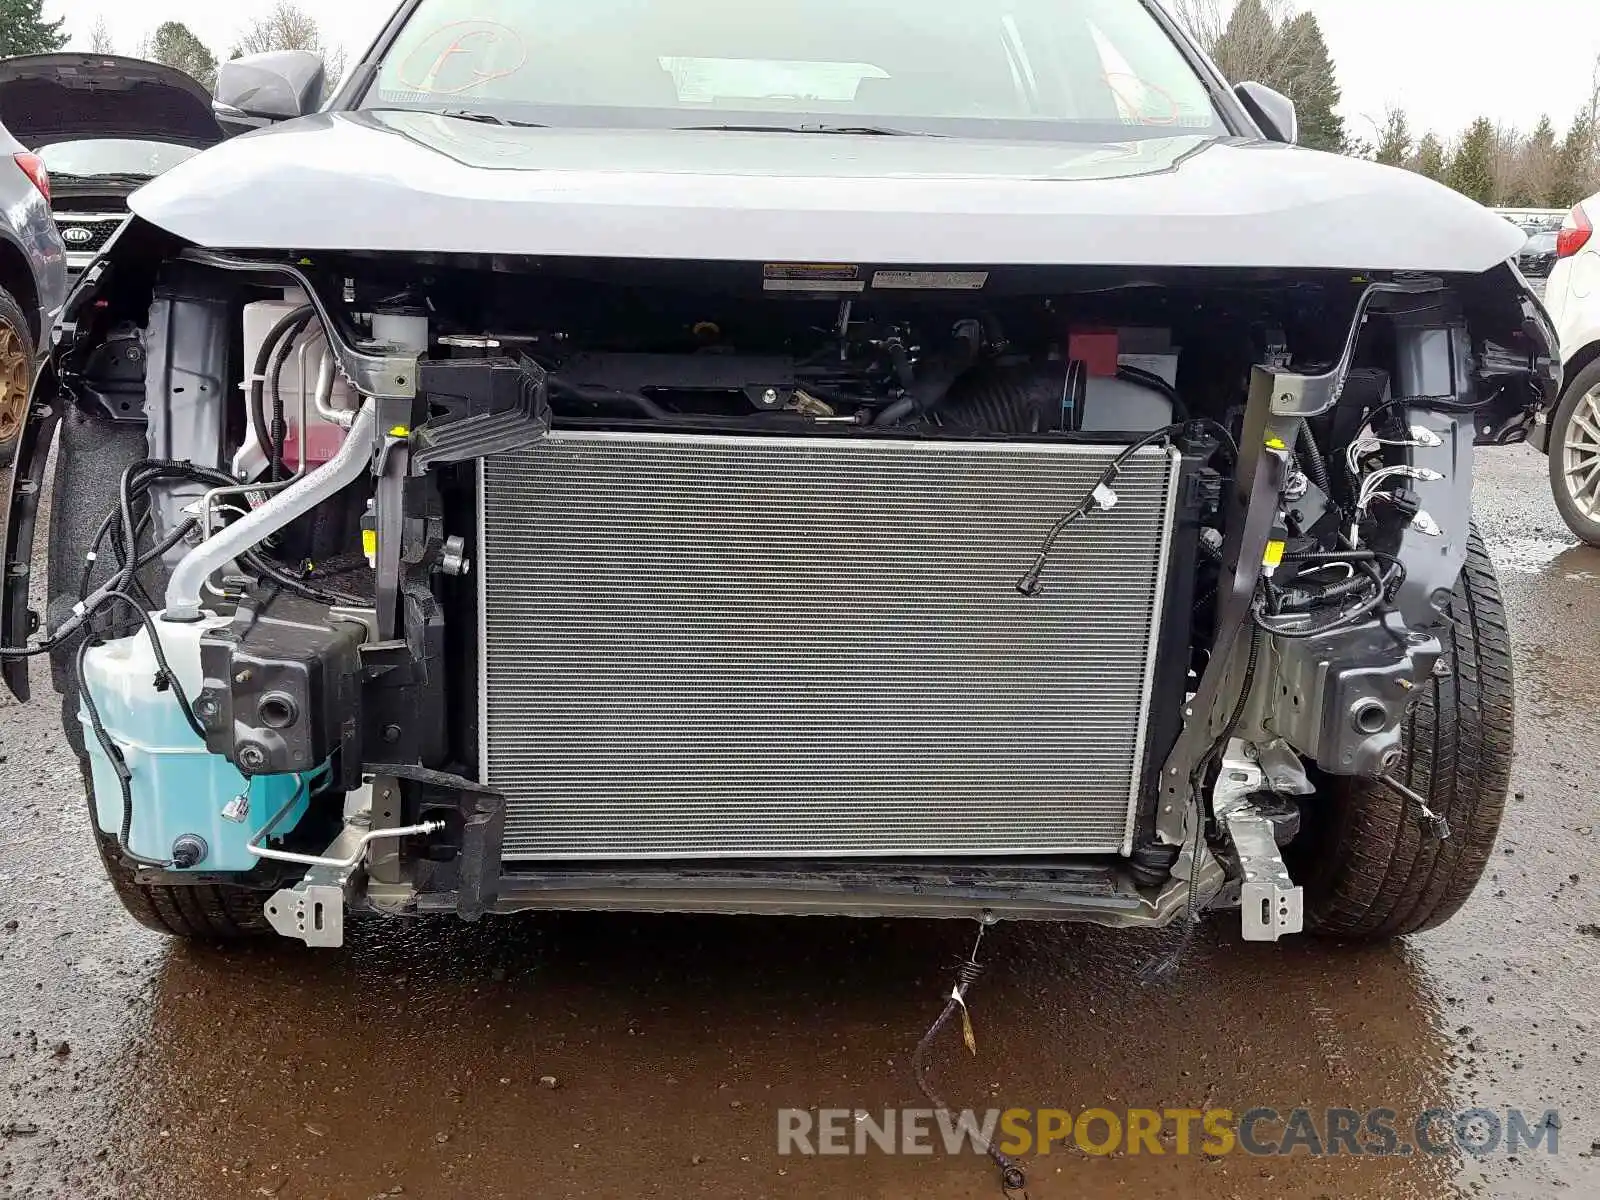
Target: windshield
x: 1099, y: 70
x: 113, y: 156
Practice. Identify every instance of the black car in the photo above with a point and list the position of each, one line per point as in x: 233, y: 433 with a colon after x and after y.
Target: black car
x: 1538, y: 257
x: 104, y: 126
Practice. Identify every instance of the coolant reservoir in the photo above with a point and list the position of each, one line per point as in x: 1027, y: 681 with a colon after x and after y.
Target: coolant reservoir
x: 325, y: 437
x: 180, y: 790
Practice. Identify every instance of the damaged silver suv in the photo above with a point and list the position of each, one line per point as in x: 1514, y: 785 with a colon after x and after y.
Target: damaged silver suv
x: 802, y: 457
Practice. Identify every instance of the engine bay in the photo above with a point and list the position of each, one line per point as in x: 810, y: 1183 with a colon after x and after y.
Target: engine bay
x: 369, y: 506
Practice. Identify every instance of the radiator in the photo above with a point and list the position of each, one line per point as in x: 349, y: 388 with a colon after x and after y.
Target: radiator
x: 758, y: 647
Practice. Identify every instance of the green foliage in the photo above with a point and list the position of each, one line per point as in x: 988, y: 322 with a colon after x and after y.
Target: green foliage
x: 1573, y: 176
x: 23, y: 29
x: 1288, y: 54
x: 1471, y: 170
x: 1310, y: 81
x: 1394, y: 145
x: 174, y: 44
x: 1430, y: 159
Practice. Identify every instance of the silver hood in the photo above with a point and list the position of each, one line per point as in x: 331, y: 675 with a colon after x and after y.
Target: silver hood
x: 409, y: 181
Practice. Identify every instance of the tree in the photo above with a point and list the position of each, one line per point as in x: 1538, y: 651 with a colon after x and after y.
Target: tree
x: 1266, y: 41
x: 1308, y: 78
x: 174, y: 44
x: 1471, y: 169
x: 1394, y: 141
x: 1429, y: 159
x: 1248, y: 44
x: 100, y: 39
x: 23, y: 29
x: 286, y: 27
x: 1573, y: 175
x: 1574, y: 172
x: 1537, y: 163
x: 290, y: 27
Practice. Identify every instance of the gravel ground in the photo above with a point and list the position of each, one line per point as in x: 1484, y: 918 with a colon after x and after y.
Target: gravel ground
x: 413, y: 1061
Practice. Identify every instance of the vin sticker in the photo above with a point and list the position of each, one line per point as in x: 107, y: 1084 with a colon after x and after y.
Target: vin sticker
x: 935, y: 281
x: 812, y: 277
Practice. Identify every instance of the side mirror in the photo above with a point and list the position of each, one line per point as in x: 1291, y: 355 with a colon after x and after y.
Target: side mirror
x: 262, y: 88
x: 1271, y: 110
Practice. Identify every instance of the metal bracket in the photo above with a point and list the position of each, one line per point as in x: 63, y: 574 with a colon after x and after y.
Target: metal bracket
x: 1295, y: 395
x: 1270, y: 903
x: 313, y: 909
x: 375, y: 369
x: 314, y: 913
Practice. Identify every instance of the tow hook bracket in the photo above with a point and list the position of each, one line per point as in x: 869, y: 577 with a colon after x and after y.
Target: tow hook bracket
x: 313, y: 913
x: 1271, y: 905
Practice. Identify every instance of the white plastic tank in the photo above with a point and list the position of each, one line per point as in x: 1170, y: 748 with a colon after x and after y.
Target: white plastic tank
x: 176, y: 787
x: 324, y: 437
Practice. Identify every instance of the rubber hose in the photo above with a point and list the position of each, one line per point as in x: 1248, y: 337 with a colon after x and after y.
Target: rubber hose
x: 1315, y: 465
x: 1148, y: 379
x: 280, y: 424
x: 258, y: 377
x: 1016, y: 400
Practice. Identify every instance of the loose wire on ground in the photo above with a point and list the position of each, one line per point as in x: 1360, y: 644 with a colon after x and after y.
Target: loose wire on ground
x: 1012, y: 1177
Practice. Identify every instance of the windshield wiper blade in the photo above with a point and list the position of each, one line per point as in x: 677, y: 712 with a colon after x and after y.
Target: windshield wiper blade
x: 460, y: 114
x: 488, y: 118
x: 859, y: 130
x: 68, y: 179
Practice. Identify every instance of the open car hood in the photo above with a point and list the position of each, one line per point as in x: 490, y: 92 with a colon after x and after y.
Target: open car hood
x: 418, y: 182
x: 48, y: 98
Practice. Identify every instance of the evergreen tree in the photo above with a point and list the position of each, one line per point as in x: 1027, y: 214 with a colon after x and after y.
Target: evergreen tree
x: 1430, y: 158
x: 174, y: 44
x: 1537, y: 163
x: 1394, y: 147
x: 1261, y: 42
x: 1310, y: 81
x: 23, y: 29
x: 1249, y: 43
x: 1573, y: 176
x: 1471, y: 169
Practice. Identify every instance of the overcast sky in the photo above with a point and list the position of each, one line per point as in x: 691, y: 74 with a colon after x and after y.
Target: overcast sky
x: 1444, y: 61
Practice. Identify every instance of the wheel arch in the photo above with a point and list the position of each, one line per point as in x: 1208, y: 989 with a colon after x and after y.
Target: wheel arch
x: 1580, y: 359
x: 16, y: 276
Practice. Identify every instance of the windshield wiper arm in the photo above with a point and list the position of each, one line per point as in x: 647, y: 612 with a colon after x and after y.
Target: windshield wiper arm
x: 860, y: 130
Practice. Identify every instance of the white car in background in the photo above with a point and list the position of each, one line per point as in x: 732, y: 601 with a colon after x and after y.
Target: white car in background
x: 1572, y: 436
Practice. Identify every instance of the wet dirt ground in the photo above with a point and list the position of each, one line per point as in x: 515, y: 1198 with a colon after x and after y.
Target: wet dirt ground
x: 412, y: 1062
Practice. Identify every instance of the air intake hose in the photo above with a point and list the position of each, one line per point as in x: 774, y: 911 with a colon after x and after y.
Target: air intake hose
x: 1011, y: 400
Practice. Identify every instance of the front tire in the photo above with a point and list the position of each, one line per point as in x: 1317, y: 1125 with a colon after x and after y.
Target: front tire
x: 16, y: 375
x: 198, y: 912
x: 1368, y: 870
x: 1575, y: 454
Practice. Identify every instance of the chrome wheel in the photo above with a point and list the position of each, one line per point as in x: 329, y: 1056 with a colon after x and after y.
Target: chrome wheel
x: 1580, y: 455
x: 14, y: 384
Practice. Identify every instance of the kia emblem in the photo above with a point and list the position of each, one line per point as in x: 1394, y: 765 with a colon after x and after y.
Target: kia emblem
x: 77, y: 235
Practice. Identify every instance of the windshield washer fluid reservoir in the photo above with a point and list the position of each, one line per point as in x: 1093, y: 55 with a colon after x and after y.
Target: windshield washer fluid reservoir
x: 178, y: 787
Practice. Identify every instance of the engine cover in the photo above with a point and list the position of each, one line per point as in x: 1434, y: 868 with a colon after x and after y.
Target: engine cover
x: 753, y: 647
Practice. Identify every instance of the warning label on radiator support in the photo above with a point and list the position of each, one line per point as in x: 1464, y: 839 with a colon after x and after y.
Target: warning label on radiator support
x: 812, y: 277
x: 931, y: 281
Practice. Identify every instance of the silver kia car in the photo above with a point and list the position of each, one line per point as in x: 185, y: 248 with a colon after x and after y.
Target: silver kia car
x: 33, y: 283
